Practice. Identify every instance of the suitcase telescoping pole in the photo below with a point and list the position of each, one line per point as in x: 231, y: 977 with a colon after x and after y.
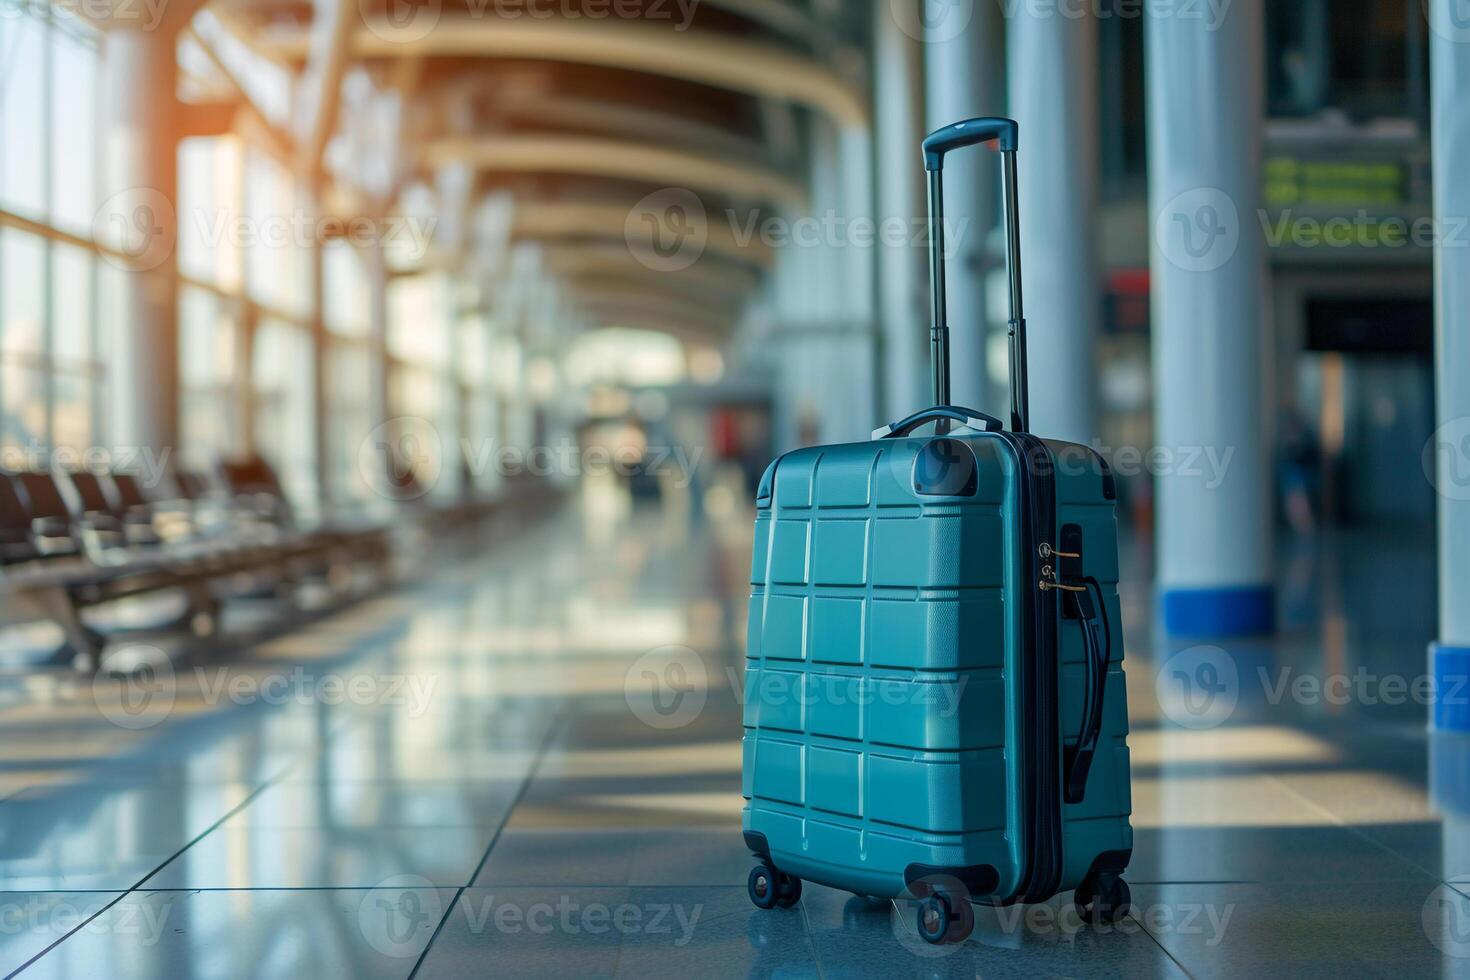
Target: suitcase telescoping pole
x: 936, y: 145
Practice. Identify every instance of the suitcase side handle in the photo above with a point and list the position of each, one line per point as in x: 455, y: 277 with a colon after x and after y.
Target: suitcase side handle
x: 1077, y: 760
x: 952, y: 137
x: 967, y: 417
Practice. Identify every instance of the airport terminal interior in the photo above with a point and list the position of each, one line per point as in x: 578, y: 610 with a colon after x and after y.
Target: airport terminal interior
x: 387, y: 391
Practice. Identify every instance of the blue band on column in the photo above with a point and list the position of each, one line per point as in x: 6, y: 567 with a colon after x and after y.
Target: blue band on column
x: 1450, y: 668
x: 1236, y: 611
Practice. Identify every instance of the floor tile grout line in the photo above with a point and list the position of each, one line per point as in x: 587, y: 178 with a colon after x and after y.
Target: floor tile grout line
x: 811, y: 942
x: 80, y: 926
x: 552, y: 730
x: 144, y: 880
x: 1350, y: 828
x: 137, y: 886
x: 1143, y: 927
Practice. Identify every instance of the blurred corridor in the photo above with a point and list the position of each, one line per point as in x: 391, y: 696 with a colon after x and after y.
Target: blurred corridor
x: 385, y: 392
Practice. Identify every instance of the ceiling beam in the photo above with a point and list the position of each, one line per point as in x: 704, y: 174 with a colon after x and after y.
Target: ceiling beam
x: 629, y: 159
x: 321, y: 81
x: 737, y: 64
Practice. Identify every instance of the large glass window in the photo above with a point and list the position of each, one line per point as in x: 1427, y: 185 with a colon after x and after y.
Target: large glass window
x: 345, y: 290
x: 23, y: 99
x: 281, y: 383
x: 51, y: 376
x: 73, y: 126
x: 277, y: 236
x: 209, y: 343
x: 211, y: 230
x: 349, y: 420
x: 75, y: 362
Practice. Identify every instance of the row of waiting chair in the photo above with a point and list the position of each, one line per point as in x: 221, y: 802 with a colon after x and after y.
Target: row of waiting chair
x: 77, y: 540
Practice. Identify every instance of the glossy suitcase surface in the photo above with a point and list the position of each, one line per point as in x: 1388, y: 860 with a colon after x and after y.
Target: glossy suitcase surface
x: 934, y: 697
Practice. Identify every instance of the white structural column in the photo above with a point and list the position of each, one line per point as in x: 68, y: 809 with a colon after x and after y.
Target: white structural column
x: 964, y: 77
x: 139, y: 220
x: 898, y: 132
x: 1052, y: 55
x: 1449, y: 65
x: 1207, y: 265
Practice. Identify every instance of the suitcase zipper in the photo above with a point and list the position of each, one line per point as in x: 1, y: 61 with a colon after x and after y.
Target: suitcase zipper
x: 1036, y: 487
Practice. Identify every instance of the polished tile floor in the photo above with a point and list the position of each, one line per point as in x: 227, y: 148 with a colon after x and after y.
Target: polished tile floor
x: 527, y: 764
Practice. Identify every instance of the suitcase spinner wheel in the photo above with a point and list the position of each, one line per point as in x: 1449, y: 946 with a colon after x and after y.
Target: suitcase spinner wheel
x: 942, y: 920
x: 1102, y: 899
x: 771, y: 889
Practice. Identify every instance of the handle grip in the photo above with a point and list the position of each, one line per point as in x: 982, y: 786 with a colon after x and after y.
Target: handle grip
x: 968, y: 133
x: 964, y: 416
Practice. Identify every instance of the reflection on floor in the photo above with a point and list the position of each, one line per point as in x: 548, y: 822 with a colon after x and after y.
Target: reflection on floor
x: 476, y: 777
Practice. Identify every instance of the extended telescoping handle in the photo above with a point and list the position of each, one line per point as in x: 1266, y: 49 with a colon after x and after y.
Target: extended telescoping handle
x: 952, y: 137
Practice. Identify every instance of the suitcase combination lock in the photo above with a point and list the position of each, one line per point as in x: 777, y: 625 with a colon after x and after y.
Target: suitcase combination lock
x: 1071, y: 562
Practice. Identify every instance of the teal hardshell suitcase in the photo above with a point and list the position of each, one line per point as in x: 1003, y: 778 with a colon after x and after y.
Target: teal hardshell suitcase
x: 934, y: 695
